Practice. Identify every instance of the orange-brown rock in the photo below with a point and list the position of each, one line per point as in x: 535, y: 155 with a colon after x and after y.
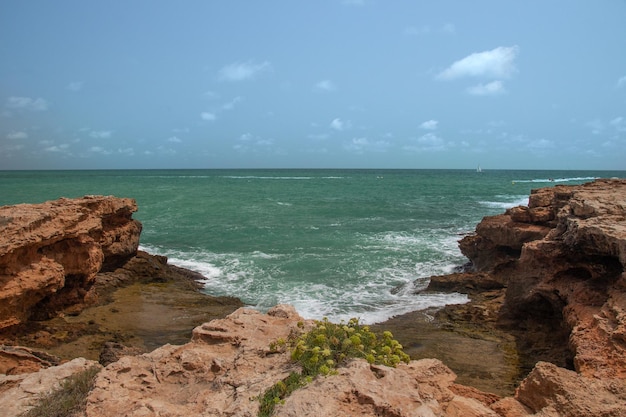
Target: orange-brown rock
x: 562, y: 260
x: 51, y: 252
x: 18, y: 393
x: 229, y: 364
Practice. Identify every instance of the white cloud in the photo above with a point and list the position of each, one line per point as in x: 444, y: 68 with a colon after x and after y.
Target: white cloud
x: 231, y: 104
x: 619, y: 123
x: 99, y: 150
x: 429, y: 125
x: 340, y: 125
x: 448, y: 28
x: 166, y: 151
x: 415, y: 31
x: 240, y: 71
x: 174, y: 139
x: 490, y: 89
x: 497, y: 63
x: 320, y: 136
x: 325, y: 85
x: 211, y: 95
x: 208, y: 116
x: 429, y: 142
x: 360, y: 145
x: 126, y: 151
x: 75, y: 86
x: 540, y: 144
x: 60, y: 148
x: 17, y: 135
x: 27, y: 103
x: 621, y: 82
x: 596, y: 126
x: 100, y: 134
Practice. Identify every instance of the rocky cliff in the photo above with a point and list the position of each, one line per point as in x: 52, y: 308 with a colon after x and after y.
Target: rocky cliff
x: 229, y: 364
x: 562, y: 261
x: 50, y: 253
x: 558, y: 263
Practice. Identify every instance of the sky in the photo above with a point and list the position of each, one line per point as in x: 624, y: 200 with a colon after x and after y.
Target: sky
x: 313, y: 84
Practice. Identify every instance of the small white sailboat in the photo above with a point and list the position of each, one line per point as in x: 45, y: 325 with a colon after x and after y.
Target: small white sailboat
x: 479, y: 169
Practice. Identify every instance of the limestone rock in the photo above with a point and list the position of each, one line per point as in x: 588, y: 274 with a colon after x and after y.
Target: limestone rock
x: 562, y: 260
x: 16, y: 360
x: 17, y: 392
x: 51, y: 252
x: 228, y: 365
x: 550, y: 390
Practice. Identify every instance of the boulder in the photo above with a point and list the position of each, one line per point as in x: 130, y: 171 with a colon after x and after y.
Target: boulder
x: 50, y: 253
x: 562, y: 260
x: 229, y: 364
x: 17, y: 392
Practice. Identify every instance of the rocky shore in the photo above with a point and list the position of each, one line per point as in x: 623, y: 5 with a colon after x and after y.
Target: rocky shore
x: 547, y: 315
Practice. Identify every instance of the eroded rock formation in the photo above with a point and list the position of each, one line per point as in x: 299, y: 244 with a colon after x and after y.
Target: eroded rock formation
x: 50, y: 253
x: 229, y: 364
x: 562, y: 261
x: 553, y: 270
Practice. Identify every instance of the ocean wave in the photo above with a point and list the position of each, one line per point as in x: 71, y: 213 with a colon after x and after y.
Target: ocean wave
x: 553, y: 180
x: 271, y: 177
x: 513, y: 201
x: 360, y: 288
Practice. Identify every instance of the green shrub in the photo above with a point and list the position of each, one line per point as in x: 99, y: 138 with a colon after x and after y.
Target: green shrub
x: 324, y: 348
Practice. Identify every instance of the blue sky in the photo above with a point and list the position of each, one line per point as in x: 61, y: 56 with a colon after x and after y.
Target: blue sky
x: 313, y: 84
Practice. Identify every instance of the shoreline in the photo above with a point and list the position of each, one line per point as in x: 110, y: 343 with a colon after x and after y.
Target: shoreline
x: 545, y: 319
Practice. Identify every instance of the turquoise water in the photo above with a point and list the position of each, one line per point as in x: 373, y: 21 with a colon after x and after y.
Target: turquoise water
x: 335, y: 243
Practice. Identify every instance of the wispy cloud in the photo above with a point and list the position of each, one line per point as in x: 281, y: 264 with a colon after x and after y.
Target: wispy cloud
x: 240, y: 71
x: 325, y: 85
x: 100, y: 134
x: 62, y: 148
x: 596, y: 126
x: 208, y: 116
x: 27, y: 103
x: 446, y: 29
x: 429, y: 125
x: 430, y: 142
x: 363, y: 144
x: 496, y: 63
x: 619, y: 123
x: 340, y: 125
x: 211, y: 95
x: 249, y: 142
x: 231, y: 104
x: 490, y: 89
x: 621, y: 82
x: 174, y: 139
x: 449, y: 29
x: 17, y: 135
x: 75, y: 86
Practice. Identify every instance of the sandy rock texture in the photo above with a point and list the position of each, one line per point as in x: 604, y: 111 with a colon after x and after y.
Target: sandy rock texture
x: 50, y: 253
x: 562, y: 262
x: 228, y: 365
x: 17, y: 392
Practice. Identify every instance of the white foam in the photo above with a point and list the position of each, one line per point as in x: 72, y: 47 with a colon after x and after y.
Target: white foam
x: 371, y: 294
x: 551, y: 180
x: 517, y: 201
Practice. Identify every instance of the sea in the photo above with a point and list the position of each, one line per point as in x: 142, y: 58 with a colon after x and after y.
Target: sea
x: 333, y: 243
